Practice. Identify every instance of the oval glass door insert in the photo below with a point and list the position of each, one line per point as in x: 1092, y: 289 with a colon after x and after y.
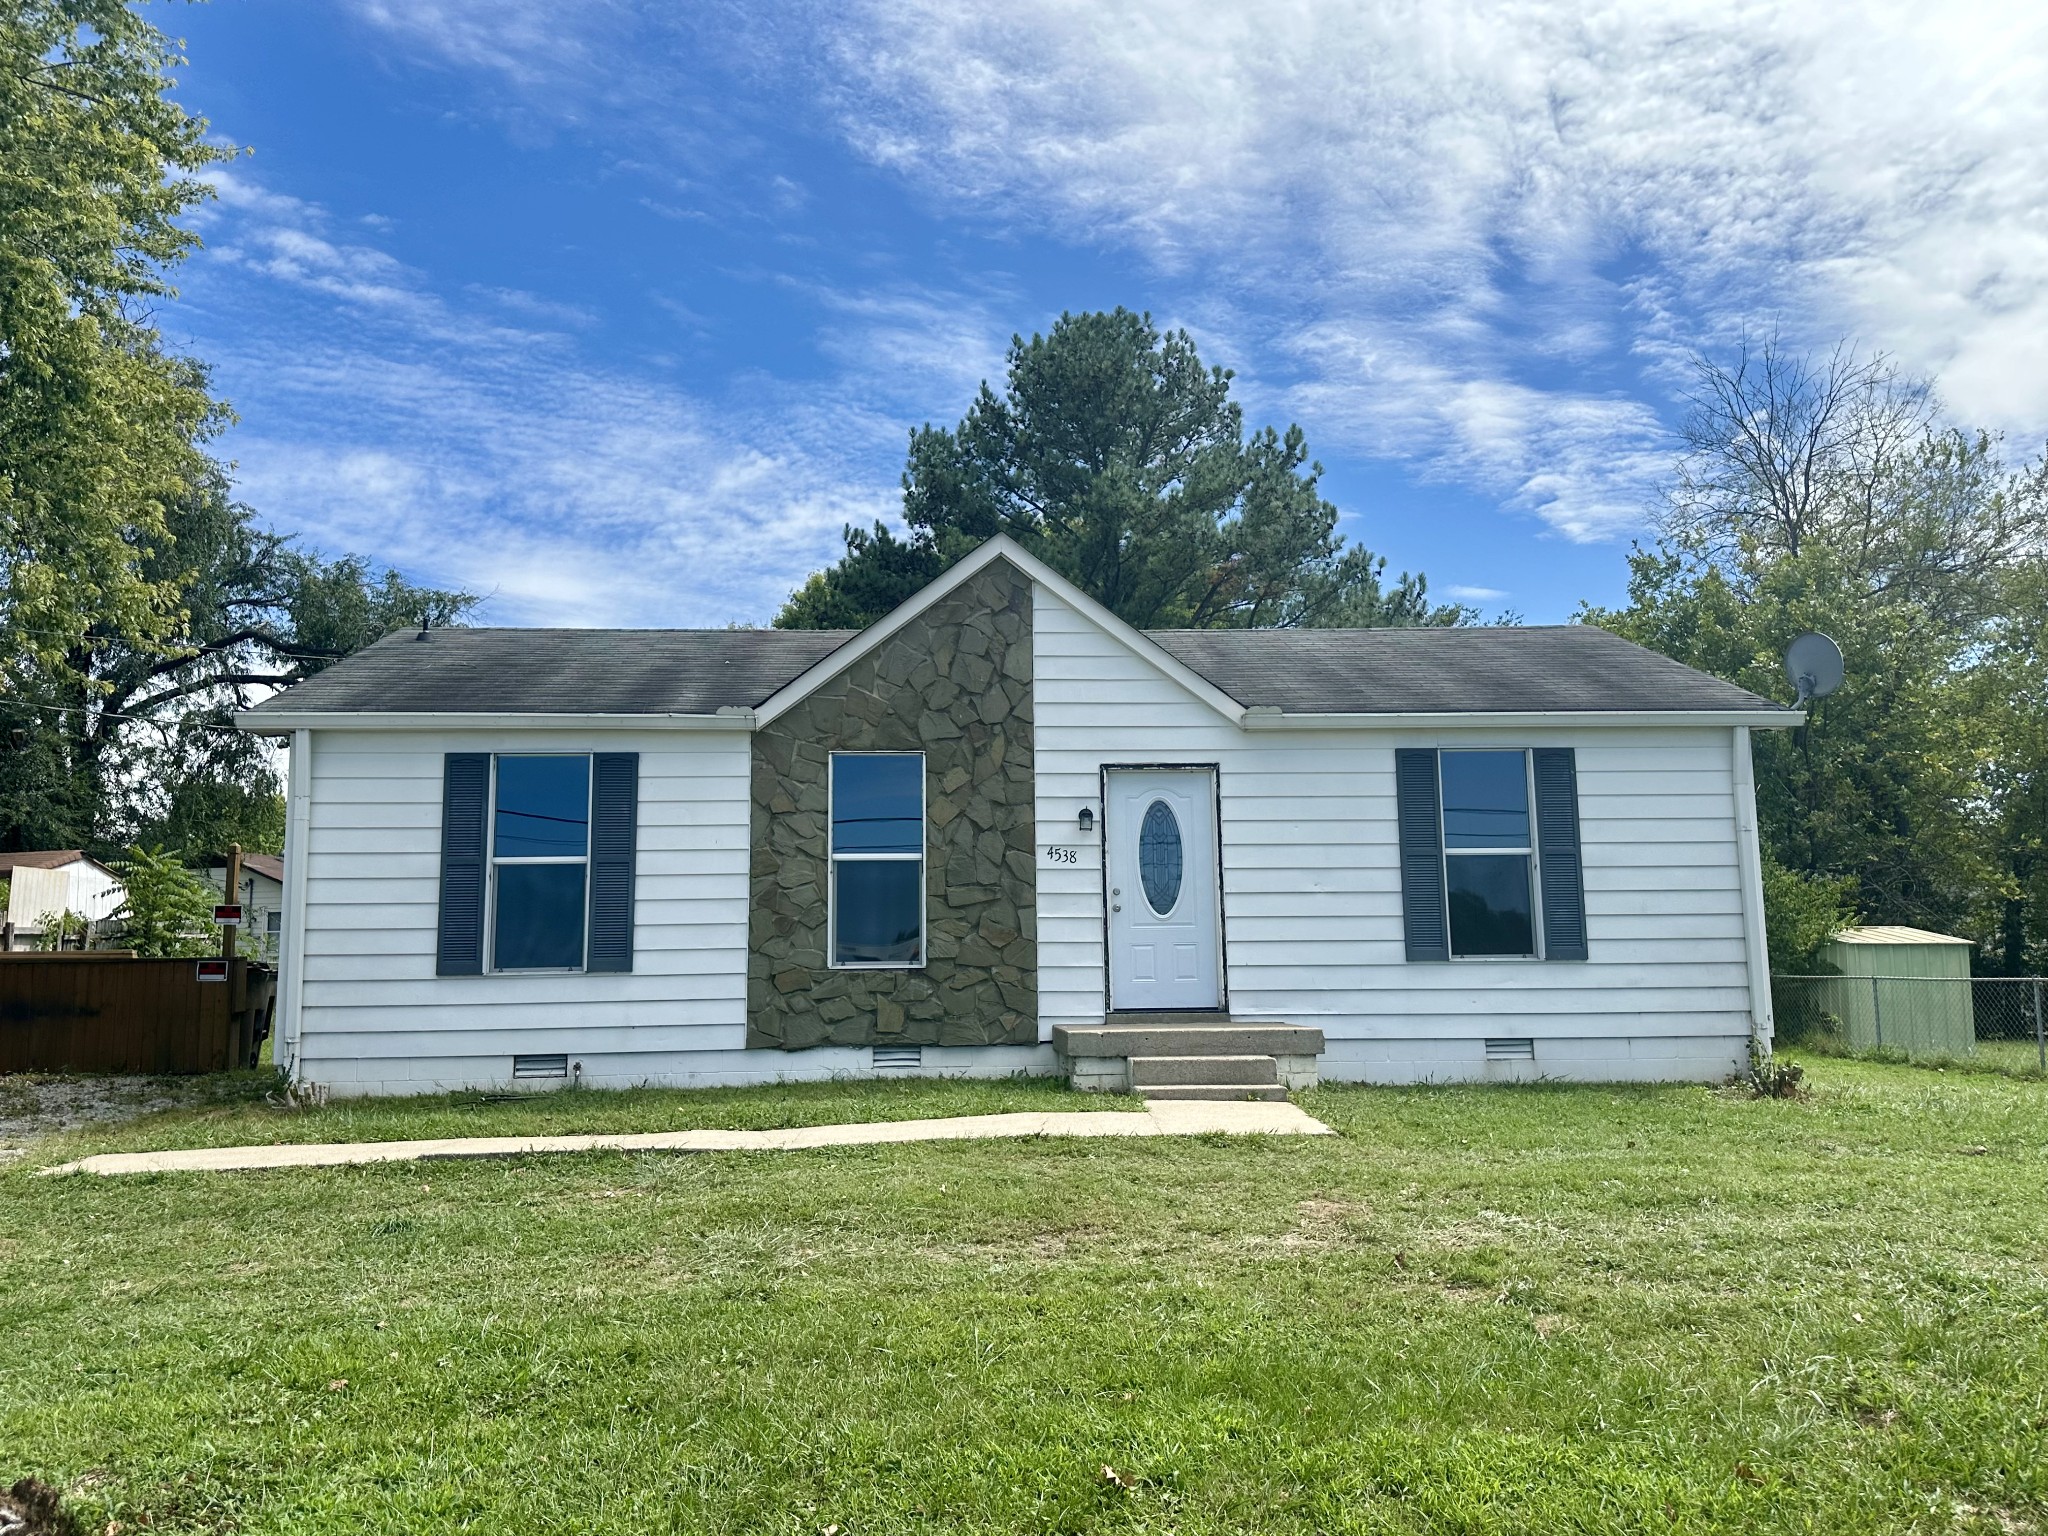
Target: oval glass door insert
x: 1159, y: 858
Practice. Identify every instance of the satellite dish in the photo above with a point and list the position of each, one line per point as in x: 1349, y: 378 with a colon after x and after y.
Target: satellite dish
x: 1814, y: 663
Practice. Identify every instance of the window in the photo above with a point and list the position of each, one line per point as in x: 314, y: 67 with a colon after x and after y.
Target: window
x: 1489, y: 851
x: 1159, y: 858
x: 877, y: 917
x: 540, y: 855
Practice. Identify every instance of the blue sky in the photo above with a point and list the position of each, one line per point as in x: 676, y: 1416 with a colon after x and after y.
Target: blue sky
x: 617, y: 313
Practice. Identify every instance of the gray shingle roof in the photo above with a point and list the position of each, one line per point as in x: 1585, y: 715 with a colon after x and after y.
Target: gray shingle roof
x: 1514, y: 670
x: 1321, y: 671
x: 563, y: 671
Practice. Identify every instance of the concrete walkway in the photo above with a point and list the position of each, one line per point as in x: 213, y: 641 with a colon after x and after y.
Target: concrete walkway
x: 1158, y: 1119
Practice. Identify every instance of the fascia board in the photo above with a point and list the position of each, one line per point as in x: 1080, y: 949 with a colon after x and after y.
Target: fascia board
x: 1277, y: 720
x: 284, y: 722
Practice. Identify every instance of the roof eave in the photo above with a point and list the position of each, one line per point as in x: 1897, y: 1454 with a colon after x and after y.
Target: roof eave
x: 1270, y: 719
x: 283, y: 722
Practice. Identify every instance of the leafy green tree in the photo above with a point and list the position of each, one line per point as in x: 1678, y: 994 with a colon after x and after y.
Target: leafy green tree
x: 138, y: 602
x: 204, y: 814
x: 878, y: 572
x: 1121, y: 460
x: 1826, y: 495
x: 134, y: 739
x: 100, y: 426
x: 2010, y: 694
x: 168, y: 911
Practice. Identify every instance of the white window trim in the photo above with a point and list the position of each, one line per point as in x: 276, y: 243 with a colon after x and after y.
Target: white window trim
x: 834, y: 860
x: 493, y: 861
x: 1446, y: 852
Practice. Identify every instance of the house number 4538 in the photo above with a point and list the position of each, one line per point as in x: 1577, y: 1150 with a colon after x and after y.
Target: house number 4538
x: 1062, y: 855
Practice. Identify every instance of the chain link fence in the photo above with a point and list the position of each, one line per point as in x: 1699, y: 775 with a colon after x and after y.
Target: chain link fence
x: 1999, y: 1021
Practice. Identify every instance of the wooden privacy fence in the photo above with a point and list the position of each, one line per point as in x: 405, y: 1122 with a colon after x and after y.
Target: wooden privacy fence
x: 113, y: 1013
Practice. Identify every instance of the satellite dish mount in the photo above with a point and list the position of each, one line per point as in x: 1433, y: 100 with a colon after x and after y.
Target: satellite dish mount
x: 1814, y: 664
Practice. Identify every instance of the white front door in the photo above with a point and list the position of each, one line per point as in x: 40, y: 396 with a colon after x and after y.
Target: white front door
x: 1159, y: 829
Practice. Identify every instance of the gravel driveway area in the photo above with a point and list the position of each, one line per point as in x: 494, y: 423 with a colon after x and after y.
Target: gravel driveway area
x: 34, y: 1104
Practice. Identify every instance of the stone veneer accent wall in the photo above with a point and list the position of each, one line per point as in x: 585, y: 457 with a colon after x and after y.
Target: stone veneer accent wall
x: 956, y: 685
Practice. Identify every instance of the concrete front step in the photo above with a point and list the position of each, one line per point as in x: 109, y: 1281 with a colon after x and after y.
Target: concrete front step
x: 1223, y: 1039
x: 1104, y: 1057
x: 1169, y: 1071
x: 1269, y: 1092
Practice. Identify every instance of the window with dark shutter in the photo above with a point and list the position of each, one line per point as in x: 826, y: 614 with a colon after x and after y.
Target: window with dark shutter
x: 1560, y: 868
x: 1489, y: 858
x: 465, y: 793
x: 614, y: 820
x: 540, y: 862
x: 1422, y: 854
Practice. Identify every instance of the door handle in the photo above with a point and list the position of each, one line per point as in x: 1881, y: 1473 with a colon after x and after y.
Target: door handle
x: 1116, y: 906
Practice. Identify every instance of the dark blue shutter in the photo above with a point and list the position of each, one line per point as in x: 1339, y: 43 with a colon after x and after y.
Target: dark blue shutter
x: 614, y: 821
x: 1422, y: 854
x: 1557, y: 853
x: 465, y: 794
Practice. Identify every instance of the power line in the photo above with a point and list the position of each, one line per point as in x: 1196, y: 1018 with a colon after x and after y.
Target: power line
x: 52, y: 634
x: 103, y: 714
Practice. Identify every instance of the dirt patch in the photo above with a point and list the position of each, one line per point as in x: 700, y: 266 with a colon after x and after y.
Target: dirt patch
x: 32, y: 1508
x: 34, y: 1105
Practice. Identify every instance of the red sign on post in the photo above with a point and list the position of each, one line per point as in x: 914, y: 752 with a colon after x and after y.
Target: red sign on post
x: 228, y: 914
x: 213, y: 970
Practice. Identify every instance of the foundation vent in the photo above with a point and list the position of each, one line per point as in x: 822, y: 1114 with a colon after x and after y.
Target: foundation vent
x: 899, y: 1058
x: 1511, y: 1050
x: 540, y: 1066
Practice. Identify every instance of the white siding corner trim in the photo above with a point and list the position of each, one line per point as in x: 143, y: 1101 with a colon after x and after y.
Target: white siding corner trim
x: 292, y: 962
x: 1755, y: 936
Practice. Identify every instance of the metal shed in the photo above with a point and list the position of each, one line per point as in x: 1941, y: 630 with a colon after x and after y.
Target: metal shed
x: 1902, y: 987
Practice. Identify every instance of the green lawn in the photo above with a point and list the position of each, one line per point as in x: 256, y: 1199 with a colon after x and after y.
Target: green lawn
x: 1477, y: 1309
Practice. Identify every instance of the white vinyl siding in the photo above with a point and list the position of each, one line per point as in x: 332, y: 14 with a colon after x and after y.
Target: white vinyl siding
x: 376, y: 1017
x: 1312, y: 898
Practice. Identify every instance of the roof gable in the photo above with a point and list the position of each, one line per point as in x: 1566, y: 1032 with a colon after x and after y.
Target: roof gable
x: 1001, y: 547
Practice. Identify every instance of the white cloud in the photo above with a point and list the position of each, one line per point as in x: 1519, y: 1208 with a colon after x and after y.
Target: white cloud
x: 1422, y: 199
x: 380, y: 417
x: 1471, y: 237
x: 1476, y: 594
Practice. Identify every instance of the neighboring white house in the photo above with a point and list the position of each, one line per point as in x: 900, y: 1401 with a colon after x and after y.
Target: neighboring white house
x: 55, y: 881
x: 1001, y: 830
x: 262, y: 898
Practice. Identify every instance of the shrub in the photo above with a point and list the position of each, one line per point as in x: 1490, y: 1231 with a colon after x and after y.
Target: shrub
x: 1801, y: 913
x: 169, y: 910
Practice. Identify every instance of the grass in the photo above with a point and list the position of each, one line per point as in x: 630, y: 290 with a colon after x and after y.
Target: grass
x: 1477, y: 1309
x: 2020, y: 1057
x: 2013, y: 1058
x: 242, y: 1108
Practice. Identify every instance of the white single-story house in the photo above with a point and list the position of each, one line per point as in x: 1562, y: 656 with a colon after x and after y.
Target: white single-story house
x: 53, y: 881
x: 1003, y: 831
